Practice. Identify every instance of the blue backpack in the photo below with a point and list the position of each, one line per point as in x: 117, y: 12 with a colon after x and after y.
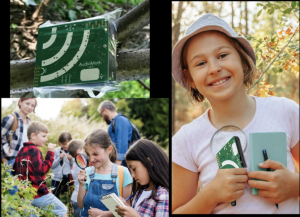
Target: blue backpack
x: 135, y: 133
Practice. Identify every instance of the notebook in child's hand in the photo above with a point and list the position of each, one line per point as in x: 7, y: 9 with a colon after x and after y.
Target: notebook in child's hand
x: 229, y: 156
x: 275, y: 145
x: 111, y: 201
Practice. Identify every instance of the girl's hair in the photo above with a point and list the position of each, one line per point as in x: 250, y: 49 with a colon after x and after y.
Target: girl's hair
x: 74, y: 145
x: 143, y: 150
x: 100, y: 138
x: 249, y: 73
x: 23, y: 99
x: 64, y: 136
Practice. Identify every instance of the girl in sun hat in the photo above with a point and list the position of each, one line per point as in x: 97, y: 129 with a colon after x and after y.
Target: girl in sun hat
x: 211, y: 61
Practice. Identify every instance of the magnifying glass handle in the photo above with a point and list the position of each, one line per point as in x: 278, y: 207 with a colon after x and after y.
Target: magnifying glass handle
x: 233, y: 203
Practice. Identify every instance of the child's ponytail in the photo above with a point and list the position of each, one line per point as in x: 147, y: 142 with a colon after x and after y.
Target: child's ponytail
x: 113, y: 153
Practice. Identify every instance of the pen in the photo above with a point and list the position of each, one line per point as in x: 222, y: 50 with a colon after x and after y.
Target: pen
x: 268, y: 169
x: 129, y: 197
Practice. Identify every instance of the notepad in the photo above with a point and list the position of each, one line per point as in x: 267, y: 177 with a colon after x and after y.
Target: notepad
x: 111, y: 201
x: 275, y: 145
x: 229, y: 156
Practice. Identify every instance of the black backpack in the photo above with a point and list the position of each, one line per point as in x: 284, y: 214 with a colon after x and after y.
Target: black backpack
x: 135, y: 133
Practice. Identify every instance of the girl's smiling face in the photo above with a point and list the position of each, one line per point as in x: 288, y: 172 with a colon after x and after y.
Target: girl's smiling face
x: 214, y: 65
x: 97, y: 155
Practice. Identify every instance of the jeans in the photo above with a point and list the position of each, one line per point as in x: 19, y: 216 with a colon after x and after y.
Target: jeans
x: 77, y: 210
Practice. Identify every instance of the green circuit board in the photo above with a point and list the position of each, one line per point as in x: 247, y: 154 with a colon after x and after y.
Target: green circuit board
x: 228, y: 156
x: 72, y: 53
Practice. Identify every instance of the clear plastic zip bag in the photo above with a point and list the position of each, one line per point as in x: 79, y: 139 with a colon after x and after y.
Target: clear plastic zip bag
x: 77, y: 55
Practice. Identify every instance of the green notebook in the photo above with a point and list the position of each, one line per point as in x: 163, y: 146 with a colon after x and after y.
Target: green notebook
x: 275, y: 145
x: 229, y: 157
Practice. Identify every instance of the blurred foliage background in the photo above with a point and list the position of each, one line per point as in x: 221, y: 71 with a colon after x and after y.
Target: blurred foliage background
x: 271, y: 27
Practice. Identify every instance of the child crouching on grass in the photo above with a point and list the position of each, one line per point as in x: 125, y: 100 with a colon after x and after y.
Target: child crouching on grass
x: 30, y: 159
x: 149, y: 167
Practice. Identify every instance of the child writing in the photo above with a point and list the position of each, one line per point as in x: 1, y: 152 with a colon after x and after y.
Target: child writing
x: 149, y: 167
x: 212, y: 61
x: 30, y: 159
x: 61, y: 167
x: 75, y: 146
x: 100, y: 180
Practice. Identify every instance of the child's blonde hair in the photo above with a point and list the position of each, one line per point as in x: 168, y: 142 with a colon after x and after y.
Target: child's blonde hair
x: 74, y: 145
x: 100, y: 138
x: 249, y: 73
x: 36, y: 127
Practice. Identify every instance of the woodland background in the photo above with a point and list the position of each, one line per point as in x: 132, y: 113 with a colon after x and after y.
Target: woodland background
x: 274, y: 28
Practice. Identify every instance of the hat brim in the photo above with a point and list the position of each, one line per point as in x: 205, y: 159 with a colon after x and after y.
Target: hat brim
x: 176, y: 53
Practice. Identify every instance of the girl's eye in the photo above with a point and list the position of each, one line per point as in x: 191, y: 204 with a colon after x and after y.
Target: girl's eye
x: 224, y: 55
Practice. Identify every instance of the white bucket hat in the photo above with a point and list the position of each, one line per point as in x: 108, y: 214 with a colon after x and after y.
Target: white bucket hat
x: 205, y: 23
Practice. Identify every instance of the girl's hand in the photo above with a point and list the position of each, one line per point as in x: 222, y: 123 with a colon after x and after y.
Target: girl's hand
x: 228, y: 184
x: 81, y: 176
x: 279, y: 185
x: 124, y: 201
x: 94, y: 212
x: 126, y: 211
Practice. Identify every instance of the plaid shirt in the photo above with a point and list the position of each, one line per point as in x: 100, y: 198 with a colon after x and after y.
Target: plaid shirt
x: 37, y: 168
x: 149, y: 207
x: 16, y: 142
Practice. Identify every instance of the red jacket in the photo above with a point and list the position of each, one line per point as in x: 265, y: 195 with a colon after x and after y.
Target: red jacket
x: 37, y: 167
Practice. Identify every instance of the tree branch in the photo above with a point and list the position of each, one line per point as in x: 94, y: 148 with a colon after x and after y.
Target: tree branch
x: 143, y: 84
x: 133, y: 21
x: 132, y: 65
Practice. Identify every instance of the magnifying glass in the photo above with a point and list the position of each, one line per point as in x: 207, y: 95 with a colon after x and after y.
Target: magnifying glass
x: 229, y: 144
x: 82, y: 161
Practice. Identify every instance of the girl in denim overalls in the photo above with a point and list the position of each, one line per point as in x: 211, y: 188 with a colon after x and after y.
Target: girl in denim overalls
x: 102, y: 177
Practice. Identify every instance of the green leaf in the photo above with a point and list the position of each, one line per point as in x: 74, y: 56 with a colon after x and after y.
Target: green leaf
x: 276, y: 6
x: 72, y: 15
x: 259, y: 4
x: 13, y: 25
x: 87, y: 13
x: 294, y: 4
x: 259, y: 12
x: 271, y: 11
x: 287, y: 10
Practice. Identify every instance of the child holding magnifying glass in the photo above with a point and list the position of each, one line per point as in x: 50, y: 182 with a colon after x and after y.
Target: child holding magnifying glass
x: 102, y: 154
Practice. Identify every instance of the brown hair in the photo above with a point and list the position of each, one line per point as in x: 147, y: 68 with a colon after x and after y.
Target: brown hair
x: 64, y: 136
x: 249, y: 73
x: 36, y: 127
x: 24, y: 99
x: 74, y: 145
x: 100, y: 138
x: 106, y: 104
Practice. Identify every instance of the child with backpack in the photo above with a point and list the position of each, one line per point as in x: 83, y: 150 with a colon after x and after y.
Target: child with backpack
x: 149, y: 167
x: 104, y: 177
x: 61, y: 167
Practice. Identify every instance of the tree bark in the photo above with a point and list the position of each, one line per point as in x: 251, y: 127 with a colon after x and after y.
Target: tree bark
x: 132, y: 65
x: 133, y: 20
